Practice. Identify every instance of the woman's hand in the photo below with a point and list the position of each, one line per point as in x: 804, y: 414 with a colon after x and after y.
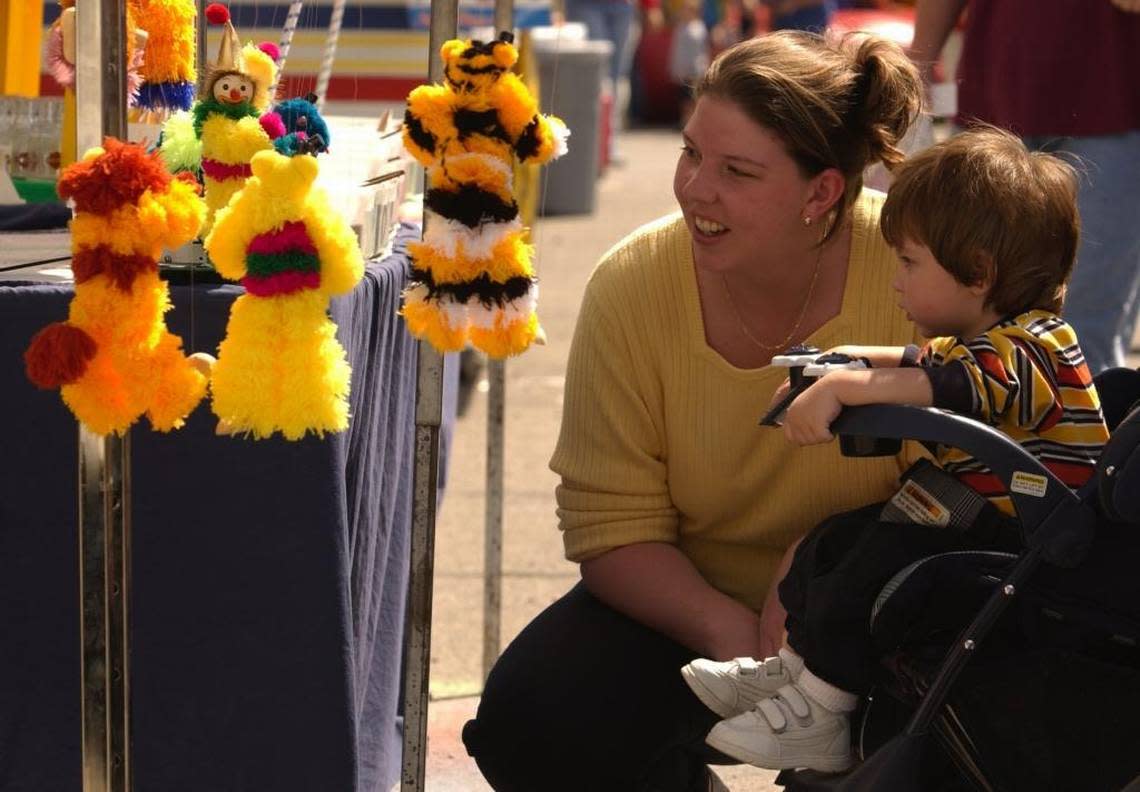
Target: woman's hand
x: 808, y: 419
x: 742, y: 636
x: 688, y: 609
x: 1131, y: 6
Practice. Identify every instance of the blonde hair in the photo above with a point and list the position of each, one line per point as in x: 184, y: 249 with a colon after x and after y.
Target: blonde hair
x: 841, y: 104
x: 986, y: 206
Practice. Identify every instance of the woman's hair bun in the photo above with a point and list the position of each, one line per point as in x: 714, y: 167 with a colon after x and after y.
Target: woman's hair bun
x: 886, y: 95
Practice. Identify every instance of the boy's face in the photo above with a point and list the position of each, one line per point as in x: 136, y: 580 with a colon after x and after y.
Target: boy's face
x: 934, y: 299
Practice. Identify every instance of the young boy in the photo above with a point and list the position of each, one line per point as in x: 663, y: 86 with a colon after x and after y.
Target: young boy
x: 986, y: 233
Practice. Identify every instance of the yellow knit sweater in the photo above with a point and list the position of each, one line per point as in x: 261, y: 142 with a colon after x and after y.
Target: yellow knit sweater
x: 660, y: 439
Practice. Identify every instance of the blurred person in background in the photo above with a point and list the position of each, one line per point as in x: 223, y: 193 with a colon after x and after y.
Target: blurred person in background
x: 689, y: 54
x: 813, y: 15
x: 1063, y: 75
x: 612, y: 21
x: 743, y: 19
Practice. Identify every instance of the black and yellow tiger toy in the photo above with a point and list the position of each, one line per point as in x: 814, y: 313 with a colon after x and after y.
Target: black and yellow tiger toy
x: 472, y: 276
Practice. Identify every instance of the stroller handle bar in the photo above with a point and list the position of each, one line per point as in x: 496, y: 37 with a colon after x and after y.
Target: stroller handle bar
x: 1051, y: 514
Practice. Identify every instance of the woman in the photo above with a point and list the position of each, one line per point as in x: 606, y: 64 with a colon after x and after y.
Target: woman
x: 679, y: 507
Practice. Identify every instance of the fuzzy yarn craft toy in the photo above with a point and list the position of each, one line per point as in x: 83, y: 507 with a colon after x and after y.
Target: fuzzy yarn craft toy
x: 229, y: 123
x: 168, y: 70
x: 280, y: 366
x: 59, y: 49
x: 472, y: 276
x: 306, y: 127
x: 59, y: 59
x: 114, y: 359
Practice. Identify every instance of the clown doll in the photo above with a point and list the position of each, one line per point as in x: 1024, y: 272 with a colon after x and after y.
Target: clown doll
x: 229, y: 123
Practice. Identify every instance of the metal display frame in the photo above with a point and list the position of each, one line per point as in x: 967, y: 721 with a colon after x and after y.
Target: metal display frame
x: 429, y: 411
x: 104, y: 496
x: 104, y: 461
x: 429, y: 393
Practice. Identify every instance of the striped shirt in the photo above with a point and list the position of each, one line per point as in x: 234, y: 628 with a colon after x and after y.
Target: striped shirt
x: 1026, y: 377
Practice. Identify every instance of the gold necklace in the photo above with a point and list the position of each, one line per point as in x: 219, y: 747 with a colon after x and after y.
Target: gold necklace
x: 781, y: 345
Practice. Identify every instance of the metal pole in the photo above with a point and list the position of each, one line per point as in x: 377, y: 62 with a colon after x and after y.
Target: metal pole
x: 493, y: 514
x: 330, y: 52
x: 104, y: 462
x: 200, y: 33
x: 429, y: 411
x: 493, y: 506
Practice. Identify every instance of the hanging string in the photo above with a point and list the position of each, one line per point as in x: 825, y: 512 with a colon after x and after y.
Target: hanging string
x: 193, y: 312
x: 307, y: 81
x: 286, y: 40
x: 359, y: 40
x: 329, y: 56
x: 27, y: 264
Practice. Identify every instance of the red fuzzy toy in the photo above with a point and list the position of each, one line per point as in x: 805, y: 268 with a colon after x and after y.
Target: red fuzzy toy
x: 217, y: 14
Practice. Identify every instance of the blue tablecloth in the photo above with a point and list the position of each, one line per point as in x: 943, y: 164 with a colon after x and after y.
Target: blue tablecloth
x: 269, y: 577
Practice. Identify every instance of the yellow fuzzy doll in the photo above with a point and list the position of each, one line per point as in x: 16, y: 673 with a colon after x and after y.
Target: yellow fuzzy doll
x: 472, y: 277
x: 280, y: 366
x: 229, y: 123
x: 114, y: 359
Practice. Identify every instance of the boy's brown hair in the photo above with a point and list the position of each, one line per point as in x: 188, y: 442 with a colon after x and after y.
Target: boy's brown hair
x: 986, y: 205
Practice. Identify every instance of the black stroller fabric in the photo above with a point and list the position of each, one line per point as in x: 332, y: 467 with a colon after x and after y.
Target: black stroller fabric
x: 839, y: 569
x: 1050, y: 699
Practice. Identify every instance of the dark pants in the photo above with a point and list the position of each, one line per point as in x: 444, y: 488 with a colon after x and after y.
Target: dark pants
x: 837, y: 573
x: 588, y: 699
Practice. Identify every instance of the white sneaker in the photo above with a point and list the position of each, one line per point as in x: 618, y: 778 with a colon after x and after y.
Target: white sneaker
x: 787, y: 730
x: 734, y: 686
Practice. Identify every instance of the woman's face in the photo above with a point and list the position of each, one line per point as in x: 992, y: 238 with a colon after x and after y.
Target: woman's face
x: 739, y: 190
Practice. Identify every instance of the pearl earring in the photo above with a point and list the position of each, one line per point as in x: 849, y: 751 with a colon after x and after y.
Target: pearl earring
x: 807, y: 220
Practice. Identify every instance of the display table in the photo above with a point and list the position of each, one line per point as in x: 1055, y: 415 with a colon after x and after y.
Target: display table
x: 269, y: 577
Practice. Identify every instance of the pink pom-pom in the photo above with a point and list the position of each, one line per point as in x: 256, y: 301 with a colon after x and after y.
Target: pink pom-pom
x: 273, y: 125
x: 57, y: 65
x: 270, y: 49
x: 217, y: 14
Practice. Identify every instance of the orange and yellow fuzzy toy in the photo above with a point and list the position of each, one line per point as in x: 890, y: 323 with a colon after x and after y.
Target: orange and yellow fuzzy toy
x: 114, y: 358
x: 280, y: 367
x: 472, y: 277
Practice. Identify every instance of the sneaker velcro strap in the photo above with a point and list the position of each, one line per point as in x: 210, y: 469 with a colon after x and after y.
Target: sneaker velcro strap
x: 773, y: 714
x: 788, y: 701
x: 794, y: 698
x: 773, y: 666
x: 747, y: 665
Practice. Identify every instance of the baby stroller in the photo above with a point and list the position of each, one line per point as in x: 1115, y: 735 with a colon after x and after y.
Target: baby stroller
x: 1017, y: 672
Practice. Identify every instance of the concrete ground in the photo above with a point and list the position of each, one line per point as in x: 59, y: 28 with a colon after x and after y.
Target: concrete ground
x: 534, y: 571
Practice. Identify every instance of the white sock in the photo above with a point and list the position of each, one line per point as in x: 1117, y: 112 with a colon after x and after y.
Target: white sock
x: 793, y: 662
x: 826, y: 694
